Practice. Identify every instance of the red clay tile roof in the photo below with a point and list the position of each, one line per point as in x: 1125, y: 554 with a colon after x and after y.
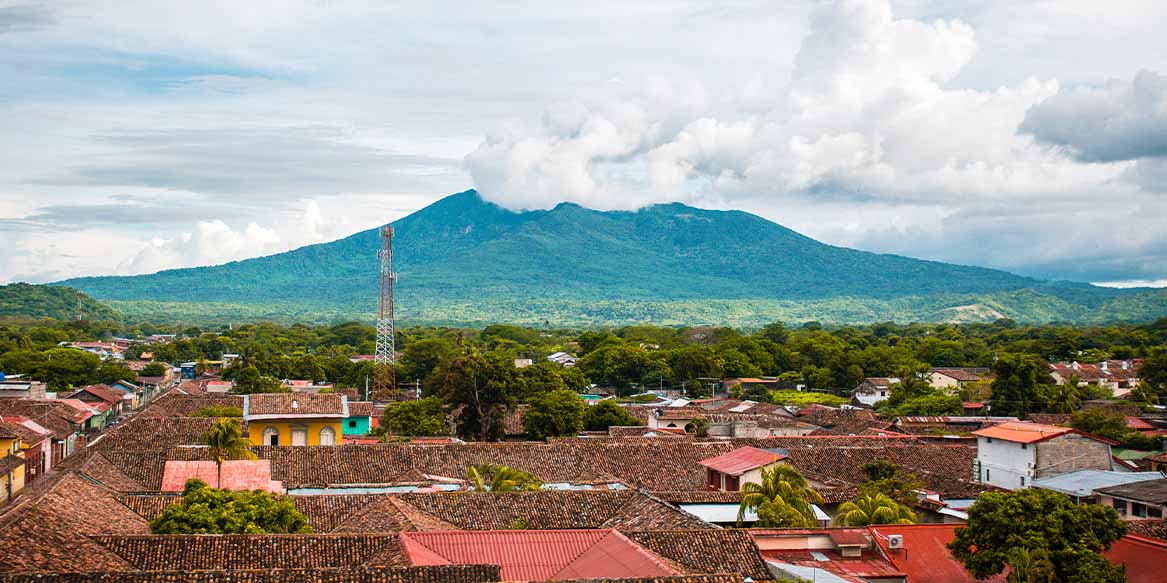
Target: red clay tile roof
x: 538, y: 555
x: 432, y: 574
x: 740, y: 461
x: 54, y: 415
x: 706, y: 551
x: 103, y: 392
x: 275, y: 405
x: 239, y: 551
x: 1148, y: 528
x: 360, y: 408
x: 1137, y: 424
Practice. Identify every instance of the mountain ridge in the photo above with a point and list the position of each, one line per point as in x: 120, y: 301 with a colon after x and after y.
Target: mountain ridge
x: 463, y: 259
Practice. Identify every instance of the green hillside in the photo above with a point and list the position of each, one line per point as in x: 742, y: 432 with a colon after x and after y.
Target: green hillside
x: 22, y: 300
x: 463, y: 260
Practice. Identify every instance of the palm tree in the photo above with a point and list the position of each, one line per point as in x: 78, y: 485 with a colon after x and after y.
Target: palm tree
x: 874, y: 508
x: 1030, y: 567
x: 1067, y: 397
x: 496, y: 478
x: 782, y: 486
x: 225, y: 442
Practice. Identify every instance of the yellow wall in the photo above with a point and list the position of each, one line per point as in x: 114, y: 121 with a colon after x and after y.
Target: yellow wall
x: 255, y: 429
x: 6, y: 449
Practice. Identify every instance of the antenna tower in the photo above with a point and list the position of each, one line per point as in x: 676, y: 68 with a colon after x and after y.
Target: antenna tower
x: 384, y: 385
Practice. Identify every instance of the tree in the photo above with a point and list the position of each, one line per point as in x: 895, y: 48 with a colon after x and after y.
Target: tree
x: 1100, y: 422
x: 1066, y: 397
x: 1031, y: 567
x: 873, y: 508
x: 217, y: 411
x: 480, y: 390
x: 1153, y: 372
x: 890, y: 479
x: 225, y: 442
x: 782, y: 500
x: 68, y: 367
x: 556, y: 413
x: 112, y: 371
x: 497, y: 478
x: 205, y: 510
x: 154, y: 369
x: 930, y: 405
x: 1072, y: 535
x: 608, y: 413
x: 412, y: 418
x: 249, y: 381
x: 422, y: 357
x: 1016, y: 389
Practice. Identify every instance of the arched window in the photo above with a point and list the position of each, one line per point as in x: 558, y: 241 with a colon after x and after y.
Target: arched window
x: 271, y: 436
x: 328, y: 436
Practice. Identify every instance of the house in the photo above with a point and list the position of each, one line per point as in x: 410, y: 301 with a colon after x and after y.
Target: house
x: 674, y: 418
x: 1081, y: 485
x: 135, y: 393
x: 233, y: 475
x: 1117, y: 375
x: 826, y: 554
x: 105, y: 350
x: 14, y: 387
x: 1011, y: 455
x: 1136, y: 500
x: 219, y: 386
x: 562, y: 359
x: 874, y: 390
x: 96, y: 394
x: 305, y: 386
x: 361, y: 418
x: 952, y: 380
x: 97, y: 415
x: 729, y: 471
x: 35, y: 444
x: 526, y: 555
x: 65, y: 422
x: 523, y: 362
x: 295, y: 418
x: 11, y: 462
x: 920, y: 551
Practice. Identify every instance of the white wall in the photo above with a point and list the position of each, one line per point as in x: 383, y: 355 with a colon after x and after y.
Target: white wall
x: 1004, y: 463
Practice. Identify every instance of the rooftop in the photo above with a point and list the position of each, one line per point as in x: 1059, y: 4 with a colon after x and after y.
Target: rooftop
x: 1022, y: 432
x: 1151, y: 491
x: 742, y: 460
x: 283, y: 405
x: 1082, y: 483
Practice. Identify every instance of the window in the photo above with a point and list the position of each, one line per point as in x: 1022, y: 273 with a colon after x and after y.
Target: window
x: 352, y: 424
x: 1119, y: 505
x: 1022, y: 481
x: 987, y: 478
x: 1025, y: 446
x: 299, y: 436
x: 988, y: 440
x: 1154, y: 512
x: 732, y: 484
x: 1139, y: 510
x: 328, y: 436
x: 712, y: 479
x: 271, y: 436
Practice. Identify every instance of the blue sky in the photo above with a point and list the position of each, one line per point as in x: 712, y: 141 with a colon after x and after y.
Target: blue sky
x: 1024, y: 135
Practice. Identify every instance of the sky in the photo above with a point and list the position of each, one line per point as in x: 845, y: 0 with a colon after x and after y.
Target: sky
x: 1026, y: 135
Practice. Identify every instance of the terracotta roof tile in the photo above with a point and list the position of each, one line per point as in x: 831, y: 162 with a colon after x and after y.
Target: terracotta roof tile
x: 232, y: 551
x: 431, y: 574
x: 707, y: 551
x: 278, y: 404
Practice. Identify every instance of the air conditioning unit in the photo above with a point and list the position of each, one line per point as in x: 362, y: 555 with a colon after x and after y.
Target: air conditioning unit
x: 895, y: 541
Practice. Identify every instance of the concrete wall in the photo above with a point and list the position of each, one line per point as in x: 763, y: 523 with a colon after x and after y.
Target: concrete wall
x: 357, y: 426
x: 1004, y: 463
x: 1071, y: 452
x: 256, y: 429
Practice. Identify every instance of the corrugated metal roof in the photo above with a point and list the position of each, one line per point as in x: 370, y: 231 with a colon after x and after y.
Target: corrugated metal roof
x: 529, y: 555
x: 742, y: 460
x: 1084, y: 482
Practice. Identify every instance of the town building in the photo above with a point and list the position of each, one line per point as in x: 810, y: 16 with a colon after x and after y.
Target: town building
x: 361, y: 418
x: 728, y: 472
x: 35, y: 445
x: 1119, y: 376
x: 1082, y: 485
x: 952, y: 380
x: 562, y: 358
x: 1011, y: 455
x: 874, y: 390
x: 12, y: 462
x: 1136, y: 500
x: 295, y: 418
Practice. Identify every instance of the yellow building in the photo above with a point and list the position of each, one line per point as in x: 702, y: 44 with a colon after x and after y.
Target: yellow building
x: 295, y: 418
x: 11, y: 464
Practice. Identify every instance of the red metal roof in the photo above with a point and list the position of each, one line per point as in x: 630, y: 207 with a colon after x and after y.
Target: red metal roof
x: 1138, y: 424
x: 1021, y: 432
x: 849, y: 537
x: 741, y: 460
x: 532, y: 555
x: 237, y: 475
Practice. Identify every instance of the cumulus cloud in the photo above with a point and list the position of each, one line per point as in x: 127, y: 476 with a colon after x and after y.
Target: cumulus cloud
x: 1118, y: 121
x: 866, y: 114
x: 213, y: 242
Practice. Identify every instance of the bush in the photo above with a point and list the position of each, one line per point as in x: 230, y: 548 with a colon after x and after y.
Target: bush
x: 218, y: 411
x: 412, y: 418
x: 803, y: 399
x: 608, y: 413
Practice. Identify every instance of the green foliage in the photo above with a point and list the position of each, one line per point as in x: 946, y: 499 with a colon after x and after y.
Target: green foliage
x: 669, y: 264
x: 44, y: 301
x: 608, y: 413
x: 496, y: 478
x: 555, y: 413
x: 414, y: 418
x: 873, y: 508
x: 480, y: 390
x: 1153, y: 373
x: 802, y: 399
x: 225, y: 442
x: 249, y: 381
x: 154, y: 369
x: 1100, y: 422
x: 1071, y: 535
x: 782, y: 500
x: 204, y: 510
x: 928, y: 405
x: 217, y: 411
x: 889, y: 479
x: 1018, y: 387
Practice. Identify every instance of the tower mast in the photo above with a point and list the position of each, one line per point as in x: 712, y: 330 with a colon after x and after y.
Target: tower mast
x: 385, y: 356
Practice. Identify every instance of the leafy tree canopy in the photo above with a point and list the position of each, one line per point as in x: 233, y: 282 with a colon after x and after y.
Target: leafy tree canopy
x: 413, y: 418
x: 205, y: 510
x: 608, y: 413
x: 497, y: 478
x: 556, y: 413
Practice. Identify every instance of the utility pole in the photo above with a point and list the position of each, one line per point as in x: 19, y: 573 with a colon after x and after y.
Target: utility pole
x: 385, y: 356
